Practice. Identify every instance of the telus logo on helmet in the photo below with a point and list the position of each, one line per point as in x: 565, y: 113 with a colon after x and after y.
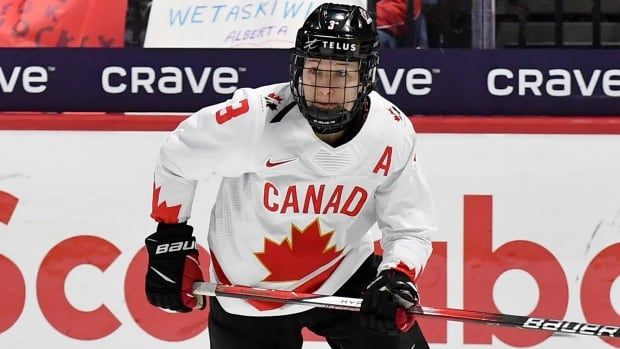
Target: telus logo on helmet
x: 342, y: 46
x: 313, y: 44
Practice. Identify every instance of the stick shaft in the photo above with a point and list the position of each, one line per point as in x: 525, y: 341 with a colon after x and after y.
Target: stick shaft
x: 354, y: 304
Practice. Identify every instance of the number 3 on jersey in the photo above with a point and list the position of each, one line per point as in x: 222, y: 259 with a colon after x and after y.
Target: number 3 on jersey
x: 230, y: 111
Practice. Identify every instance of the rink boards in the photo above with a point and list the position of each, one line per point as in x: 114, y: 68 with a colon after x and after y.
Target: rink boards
x: 529, y: 218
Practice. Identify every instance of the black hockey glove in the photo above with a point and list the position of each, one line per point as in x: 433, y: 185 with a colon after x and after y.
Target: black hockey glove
x: 384, y: 303
x: 173, y: 268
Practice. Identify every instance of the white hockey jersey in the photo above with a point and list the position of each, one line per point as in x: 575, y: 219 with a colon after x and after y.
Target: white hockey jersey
x: 293, y: 212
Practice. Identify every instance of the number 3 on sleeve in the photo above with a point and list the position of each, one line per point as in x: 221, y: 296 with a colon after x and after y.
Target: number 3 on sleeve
x: 230, y: 111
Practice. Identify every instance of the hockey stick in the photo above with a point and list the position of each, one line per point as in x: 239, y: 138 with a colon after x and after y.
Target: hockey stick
x: 353, y: 304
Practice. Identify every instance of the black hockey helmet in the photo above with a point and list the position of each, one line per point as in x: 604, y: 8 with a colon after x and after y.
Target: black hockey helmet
x: 335, y: 32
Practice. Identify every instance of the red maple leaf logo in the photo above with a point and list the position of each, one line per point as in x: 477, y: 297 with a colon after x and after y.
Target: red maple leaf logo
x: 275, y: 96
x: 395, y: 113
x: 162, y: 212
x: 304, y: 253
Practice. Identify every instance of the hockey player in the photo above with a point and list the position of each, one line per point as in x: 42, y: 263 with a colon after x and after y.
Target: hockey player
x: 308, y: 167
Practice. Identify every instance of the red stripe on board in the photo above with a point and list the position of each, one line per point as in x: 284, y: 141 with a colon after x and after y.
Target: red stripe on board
x: 423, y: 124
x: 521, y: 125
x: 89, y: 122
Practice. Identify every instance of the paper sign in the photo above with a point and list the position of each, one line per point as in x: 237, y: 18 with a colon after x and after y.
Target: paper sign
x: 62, y: 23
x: 227, y: 24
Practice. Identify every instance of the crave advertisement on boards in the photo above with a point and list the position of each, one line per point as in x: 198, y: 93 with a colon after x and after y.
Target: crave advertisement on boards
x: 419, y: 82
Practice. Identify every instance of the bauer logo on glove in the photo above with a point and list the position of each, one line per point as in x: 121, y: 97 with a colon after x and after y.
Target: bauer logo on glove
x: 173, y: 268
x: 175, y: 246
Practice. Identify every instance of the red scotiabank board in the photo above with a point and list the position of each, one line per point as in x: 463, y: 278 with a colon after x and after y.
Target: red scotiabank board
x: 528, y: 224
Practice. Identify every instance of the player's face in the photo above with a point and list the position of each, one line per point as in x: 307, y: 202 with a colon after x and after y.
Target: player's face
x: 330, y: 84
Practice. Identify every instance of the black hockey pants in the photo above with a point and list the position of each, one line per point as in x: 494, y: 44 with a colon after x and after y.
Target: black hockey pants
x: 341, y: 329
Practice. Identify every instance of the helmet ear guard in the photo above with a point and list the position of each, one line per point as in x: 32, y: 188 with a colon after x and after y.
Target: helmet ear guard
x: 341, y: 33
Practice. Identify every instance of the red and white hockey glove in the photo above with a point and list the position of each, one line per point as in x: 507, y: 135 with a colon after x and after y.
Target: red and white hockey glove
x: 173, y: 268
x: 385, y: 301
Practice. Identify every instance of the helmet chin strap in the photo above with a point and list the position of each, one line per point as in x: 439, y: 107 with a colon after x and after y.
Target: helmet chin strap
x: 326, y: 121
x: 357, y: 117
x: 325, y: 131
x: 352, y: 128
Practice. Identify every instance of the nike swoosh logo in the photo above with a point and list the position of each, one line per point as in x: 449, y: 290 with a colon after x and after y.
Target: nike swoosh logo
x: 270, y: 163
